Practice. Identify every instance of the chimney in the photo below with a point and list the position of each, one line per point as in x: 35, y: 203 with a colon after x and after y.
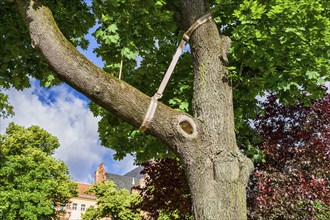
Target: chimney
x: 100, y: 174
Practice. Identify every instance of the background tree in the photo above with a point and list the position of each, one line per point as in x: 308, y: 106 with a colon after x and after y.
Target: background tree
x: 166, y: 190
x: 280, y: 46
x: 294, y: 181
x: 32, y: 182
x: 113, y: 203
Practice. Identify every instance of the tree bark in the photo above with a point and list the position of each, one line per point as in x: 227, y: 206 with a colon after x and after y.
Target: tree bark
x: 216, y: 170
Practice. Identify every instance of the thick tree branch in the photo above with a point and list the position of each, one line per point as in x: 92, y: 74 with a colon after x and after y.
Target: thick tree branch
x: 115, y: 95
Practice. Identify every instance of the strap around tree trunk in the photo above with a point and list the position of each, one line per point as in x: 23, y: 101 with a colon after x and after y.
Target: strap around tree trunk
x: 153, y: 103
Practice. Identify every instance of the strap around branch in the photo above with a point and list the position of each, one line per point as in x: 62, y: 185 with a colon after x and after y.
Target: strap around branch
x: 153, y: 102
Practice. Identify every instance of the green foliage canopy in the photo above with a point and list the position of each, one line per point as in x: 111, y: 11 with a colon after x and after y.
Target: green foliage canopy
x: 31, y: 180
x: 280, y: 46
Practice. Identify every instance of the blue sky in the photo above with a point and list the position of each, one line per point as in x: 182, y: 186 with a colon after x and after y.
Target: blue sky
x: 64, y: 113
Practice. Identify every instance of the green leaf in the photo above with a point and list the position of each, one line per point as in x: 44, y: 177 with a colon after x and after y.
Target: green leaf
x: 112, y: 28
x: 99, y: 33
x: 184, y: 106
x: 312, y: 74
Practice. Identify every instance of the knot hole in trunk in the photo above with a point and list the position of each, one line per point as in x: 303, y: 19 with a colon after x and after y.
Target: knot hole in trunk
x: 186, y: 126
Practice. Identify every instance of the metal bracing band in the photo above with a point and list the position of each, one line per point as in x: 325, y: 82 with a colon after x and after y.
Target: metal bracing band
x: 153, y: 103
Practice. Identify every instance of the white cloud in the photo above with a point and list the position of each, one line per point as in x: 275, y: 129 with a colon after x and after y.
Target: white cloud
x: 64, y: 114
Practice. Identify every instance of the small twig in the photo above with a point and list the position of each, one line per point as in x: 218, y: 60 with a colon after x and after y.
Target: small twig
x: 121, y: 66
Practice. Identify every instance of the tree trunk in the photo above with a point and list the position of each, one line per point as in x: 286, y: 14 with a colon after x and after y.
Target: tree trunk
x: 216, y: 170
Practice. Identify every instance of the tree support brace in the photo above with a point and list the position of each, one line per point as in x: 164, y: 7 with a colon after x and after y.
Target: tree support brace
x: 153, y: 103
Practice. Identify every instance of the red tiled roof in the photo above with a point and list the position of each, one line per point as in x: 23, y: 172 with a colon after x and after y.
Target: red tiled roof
x: 82, y: 187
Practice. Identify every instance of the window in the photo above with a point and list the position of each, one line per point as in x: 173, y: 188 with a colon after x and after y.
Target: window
x: 74, y: 206
x: 83, y: 207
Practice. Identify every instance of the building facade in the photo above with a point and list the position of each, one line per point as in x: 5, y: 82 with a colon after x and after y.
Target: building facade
x: 79, y: 204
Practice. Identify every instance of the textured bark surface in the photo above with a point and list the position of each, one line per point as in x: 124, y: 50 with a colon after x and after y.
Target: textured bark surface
x: 217, y: 172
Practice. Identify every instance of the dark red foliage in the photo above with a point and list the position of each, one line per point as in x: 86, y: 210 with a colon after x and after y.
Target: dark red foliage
x: 296, y: 145
x: 166, y: 188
